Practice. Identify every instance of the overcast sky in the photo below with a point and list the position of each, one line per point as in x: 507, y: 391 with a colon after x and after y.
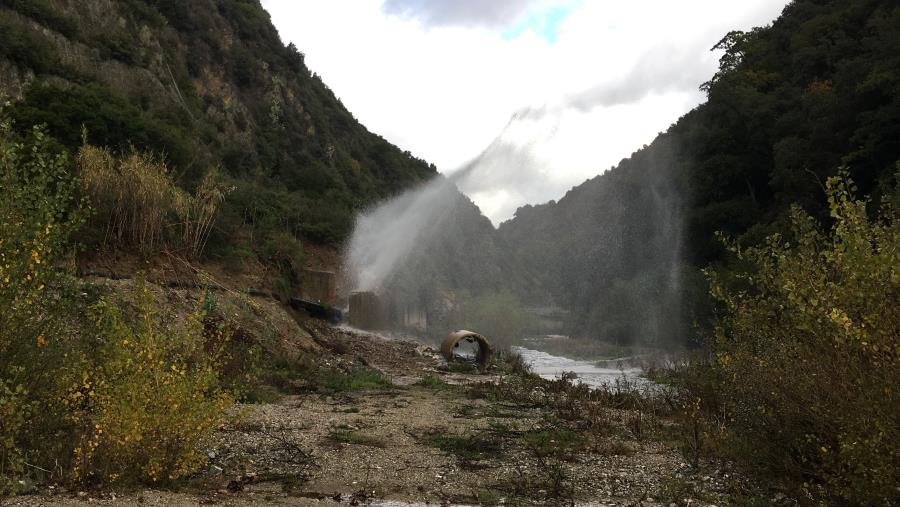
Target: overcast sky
x: 589, y: 81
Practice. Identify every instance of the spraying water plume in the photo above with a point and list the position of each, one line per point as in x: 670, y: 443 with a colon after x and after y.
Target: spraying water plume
x: 385, y: 237
x: 609, y: 251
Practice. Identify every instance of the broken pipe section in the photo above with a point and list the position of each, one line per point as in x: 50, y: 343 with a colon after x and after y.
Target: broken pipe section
x: 483, y: 355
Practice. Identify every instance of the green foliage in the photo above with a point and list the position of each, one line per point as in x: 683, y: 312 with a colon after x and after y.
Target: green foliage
x: 790, y: 103
x: 268, y: 121
x: 117, y: 45
x: 358, y: 379
x: 808, y: 344
x: 26, y: 47
x: 488, y: 497
x: 304, y: 374
x: 44, y: 12
x: 467, y: 447
x: 461, y: 367
x: 15, y: 413
x: 284, y: 251
x: 37, y: 213
x: 433, y: 382
x: 108, y: 118
x: 92, y: 395
x: 552, y: 441
x: 346, y: 435
x: 39, y: 208
x: 327, y: 221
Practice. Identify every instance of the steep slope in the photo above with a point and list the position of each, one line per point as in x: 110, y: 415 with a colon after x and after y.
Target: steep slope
x: 791, y: 103
x: 203, y: 83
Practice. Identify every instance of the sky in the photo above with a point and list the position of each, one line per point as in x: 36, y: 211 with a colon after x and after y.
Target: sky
x: 560, y: 90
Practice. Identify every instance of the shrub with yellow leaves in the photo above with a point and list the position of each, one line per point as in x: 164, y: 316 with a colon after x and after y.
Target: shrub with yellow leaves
x: 810, y: 347
x: 92, y: 390
x: 151, y: 398
x: 38, y: 209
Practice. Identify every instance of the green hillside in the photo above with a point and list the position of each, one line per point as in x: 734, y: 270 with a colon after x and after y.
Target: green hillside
x: 202, y: 83
x: 791, y: 103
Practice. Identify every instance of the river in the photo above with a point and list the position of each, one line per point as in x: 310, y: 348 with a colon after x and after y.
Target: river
x: 591, y: 373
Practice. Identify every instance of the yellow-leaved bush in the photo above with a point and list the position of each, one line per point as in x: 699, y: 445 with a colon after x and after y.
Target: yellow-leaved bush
x: 152, y: 398
x: 810, y: 347
x: 38, y: 209
x: 93, y: 389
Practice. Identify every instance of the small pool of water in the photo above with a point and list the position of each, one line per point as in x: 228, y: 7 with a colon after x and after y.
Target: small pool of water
x: 592, y: 373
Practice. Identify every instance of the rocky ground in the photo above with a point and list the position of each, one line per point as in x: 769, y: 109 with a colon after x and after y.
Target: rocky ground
x: 430, y: 436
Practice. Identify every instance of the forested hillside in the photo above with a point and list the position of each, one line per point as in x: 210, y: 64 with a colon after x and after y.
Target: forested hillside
x: 201, y: 84
x: 791, y: 103
x: 136, y: 134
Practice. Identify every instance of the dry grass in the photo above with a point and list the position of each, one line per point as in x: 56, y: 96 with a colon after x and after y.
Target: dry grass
x: 138, y: 205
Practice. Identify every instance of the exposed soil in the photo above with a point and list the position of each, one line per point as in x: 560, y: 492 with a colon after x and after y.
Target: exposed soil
x: 173, y: 269
x: 379, y: 446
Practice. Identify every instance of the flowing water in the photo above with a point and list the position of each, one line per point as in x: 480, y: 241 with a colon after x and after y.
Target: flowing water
x: 592, y: 373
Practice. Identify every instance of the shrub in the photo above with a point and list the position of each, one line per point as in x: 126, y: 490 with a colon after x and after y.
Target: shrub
x: 197, y: 212
x: 117, y: 398
x: 808, y: 345
x: 37, y: 211
x: 133, y: 195
x: 151, y: 399
x: 14, y: 415
x: 283, y: 251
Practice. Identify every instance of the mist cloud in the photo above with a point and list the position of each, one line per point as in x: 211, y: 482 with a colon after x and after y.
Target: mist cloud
x: 385, y: 236
x: 489, y: 13
x: 506, y: 176
x: 658, y: 71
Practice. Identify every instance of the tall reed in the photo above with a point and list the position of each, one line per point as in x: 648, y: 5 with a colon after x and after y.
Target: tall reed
x: 138, y: 205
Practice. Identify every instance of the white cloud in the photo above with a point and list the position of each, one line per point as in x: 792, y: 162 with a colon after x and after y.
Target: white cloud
x: 494, y: 13
x: 441, y: 78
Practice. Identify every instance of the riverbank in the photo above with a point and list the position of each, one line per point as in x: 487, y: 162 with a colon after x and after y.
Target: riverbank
x: 429, y: 435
